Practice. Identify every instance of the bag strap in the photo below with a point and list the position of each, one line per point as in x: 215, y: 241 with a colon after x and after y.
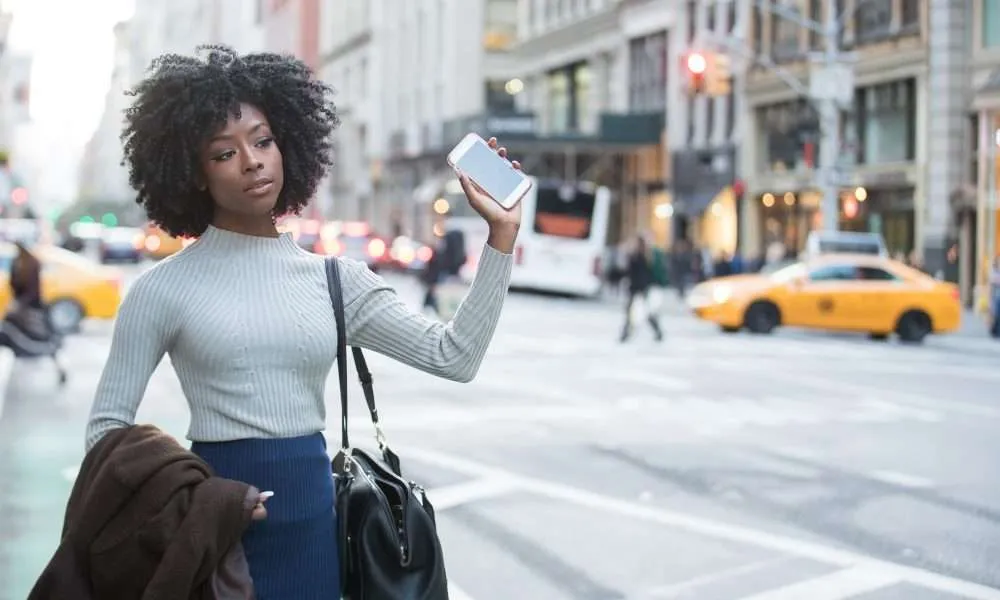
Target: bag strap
x: 361, y: 365
x: 337, y: 298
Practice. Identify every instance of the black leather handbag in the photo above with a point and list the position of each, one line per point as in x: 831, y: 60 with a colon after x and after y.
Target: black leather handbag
x: 389, y: 549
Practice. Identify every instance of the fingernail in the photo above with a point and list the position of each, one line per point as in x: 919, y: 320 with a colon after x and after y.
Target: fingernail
x: 266, y: 495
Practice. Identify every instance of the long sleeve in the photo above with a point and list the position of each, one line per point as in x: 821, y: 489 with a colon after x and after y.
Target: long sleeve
x: 378, y: 320
x: 139, y: 342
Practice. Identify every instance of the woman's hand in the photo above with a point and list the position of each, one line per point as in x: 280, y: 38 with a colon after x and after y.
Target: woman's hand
x: 259, y: 512
x: 503, y: 223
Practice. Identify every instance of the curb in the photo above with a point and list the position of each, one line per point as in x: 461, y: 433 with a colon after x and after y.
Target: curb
x: 6, y: 370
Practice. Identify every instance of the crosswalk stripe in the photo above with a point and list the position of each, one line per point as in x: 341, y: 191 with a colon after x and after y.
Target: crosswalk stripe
x: 839, y: 585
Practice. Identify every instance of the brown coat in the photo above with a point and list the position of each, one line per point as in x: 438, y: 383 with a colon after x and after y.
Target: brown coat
x: 147, y: 520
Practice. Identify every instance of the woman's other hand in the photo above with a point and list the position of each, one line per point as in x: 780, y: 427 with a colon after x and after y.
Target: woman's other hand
x: 503, y: 223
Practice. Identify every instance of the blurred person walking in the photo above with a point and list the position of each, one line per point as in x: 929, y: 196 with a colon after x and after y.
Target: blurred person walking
x: 26, y: 328
x: 640, y: 275
x: 219, y: 146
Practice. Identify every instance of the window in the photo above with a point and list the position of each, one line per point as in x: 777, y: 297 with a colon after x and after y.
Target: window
x: 887, y: 122
x: 873, y: 20
x: 498, y: 101
x: 909, y: 18
x: 875, y: 274
x: 559, y: 103
x: 757, y: 34
x: 500, y: 29
x: 710, y: 18
x: 833, y: 273
x: 817, y: 14
x: 569, y: 98
x: 784, y: 37
x: 731, y: 16
x: 692, y: 14
x: 991, y: 23
x: 564, y: 211
x: 648, y: 73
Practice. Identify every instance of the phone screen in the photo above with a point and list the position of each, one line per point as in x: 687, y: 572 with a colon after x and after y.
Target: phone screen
x: 484, y: 166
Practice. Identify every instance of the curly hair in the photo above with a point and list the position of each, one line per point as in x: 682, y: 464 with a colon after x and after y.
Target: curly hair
x: 185, y: 99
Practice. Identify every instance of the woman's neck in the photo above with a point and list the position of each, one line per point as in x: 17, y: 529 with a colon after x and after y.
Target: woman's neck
x: 255, y: 227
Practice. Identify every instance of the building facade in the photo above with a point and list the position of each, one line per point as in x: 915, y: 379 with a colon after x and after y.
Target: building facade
x: 592, y: 100
x: 905, y: 140
x: 705, y: 132
x: 348, y: 57
x: 980, y: 204
x: 102, y: 178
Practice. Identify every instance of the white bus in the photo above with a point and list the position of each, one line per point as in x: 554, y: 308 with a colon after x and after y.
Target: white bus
x: 564, y: 230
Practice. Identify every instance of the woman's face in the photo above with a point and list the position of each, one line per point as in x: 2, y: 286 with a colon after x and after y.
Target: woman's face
x: 242, y: 165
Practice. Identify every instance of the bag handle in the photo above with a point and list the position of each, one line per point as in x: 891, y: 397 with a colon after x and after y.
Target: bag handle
x: 361, y: 365
x: 337, y: 298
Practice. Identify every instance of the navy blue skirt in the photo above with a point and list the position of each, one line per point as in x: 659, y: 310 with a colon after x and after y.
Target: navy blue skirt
x: 293, y: 553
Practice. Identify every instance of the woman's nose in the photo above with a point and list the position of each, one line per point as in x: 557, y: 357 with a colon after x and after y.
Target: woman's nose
x: 252, y: 163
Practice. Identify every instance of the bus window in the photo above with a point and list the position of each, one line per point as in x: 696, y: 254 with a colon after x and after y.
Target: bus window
x: 564, y: 212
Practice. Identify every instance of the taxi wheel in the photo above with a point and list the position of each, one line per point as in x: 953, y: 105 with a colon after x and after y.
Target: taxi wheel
x: 913, y: 327
x: 65, y: 316
x: 728, y: 329
x: 762, y: 317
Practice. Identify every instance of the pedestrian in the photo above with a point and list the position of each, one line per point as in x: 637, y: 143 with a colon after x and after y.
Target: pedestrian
x: 640, y: 278
x: 26, y: 328
x: 219, y: 146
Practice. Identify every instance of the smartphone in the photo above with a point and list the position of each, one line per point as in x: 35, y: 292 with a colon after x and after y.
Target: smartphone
x: 494, y: 174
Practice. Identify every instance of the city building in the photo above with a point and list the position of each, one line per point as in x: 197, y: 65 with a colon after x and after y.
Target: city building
x: 156, y: 28
x: 15, y: 92
x: 102, y: 178
x: 591, y: 100
x: 980, y: 206
x: 904, y: 156
x: 348, y: 56
x: 705, y: 131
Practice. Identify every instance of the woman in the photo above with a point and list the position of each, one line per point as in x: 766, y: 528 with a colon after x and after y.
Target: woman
x: 26, y: 328
x: 639, y: 273
x: 218, y: 148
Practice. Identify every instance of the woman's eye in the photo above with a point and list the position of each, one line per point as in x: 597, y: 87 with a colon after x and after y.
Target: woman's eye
x: 223, y: 156
x: 265, y: 142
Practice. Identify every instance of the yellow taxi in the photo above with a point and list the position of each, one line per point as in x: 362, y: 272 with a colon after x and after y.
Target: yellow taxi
x: 74, y: 287
x: 159, y: 244
x: 833, y: 292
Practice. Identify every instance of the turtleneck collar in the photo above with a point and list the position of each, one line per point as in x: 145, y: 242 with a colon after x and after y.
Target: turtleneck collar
x: 230, y: 241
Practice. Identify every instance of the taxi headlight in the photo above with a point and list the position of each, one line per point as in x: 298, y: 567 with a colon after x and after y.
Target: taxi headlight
x: 722, y: 294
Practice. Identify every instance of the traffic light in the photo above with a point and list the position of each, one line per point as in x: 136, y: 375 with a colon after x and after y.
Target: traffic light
x: 708, y: 73
x: 696, y: 66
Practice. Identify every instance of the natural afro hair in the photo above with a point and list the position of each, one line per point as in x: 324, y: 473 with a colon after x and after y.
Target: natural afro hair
x: 185, y: 99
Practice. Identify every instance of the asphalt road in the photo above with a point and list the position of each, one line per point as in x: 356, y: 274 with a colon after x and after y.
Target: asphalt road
x: 710, y: 467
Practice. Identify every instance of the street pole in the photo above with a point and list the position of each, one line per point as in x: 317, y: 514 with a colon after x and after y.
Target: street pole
x: 829, y: 116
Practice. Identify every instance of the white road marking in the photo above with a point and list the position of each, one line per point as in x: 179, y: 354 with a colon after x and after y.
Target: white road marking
x: 661, y: 382
x: 901, y: 479
x: 672, y: 589
x: 846, y: 583
x: 451, y: 496
x: 709, y: 527
x: 456, y: 593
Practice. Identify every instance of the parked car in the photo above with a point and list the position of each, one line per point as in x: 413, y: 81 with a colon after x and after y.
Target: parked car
x: 122, y: 244
x: 354, y: 240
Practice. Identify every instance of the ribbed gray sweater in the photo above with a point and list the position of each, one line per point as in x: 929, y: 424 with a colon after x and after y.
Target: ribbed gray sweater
x: 249, y: 327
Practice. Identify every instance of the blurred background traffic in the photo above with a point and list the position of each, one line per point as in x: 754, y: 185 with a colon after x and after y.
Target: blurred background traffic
x: 816, y: 186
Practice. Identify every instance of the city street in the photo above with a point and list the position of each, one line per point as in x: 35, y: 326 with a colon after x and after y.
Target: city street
x: 708, y: 467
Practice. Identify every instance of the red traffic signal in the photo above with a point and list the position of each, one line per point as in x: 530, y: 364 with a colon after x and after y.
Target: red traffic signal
x: 19, y: 195
x: 697, y: 64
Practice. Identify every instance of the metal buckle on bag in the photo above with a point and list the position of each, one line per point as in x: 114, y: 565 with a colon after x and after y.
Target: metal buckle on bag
x: 380, y: 437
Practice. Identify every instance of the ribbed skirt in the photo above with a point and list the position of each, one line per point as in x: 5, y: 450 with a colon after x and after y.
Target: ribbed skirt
x: 293, y: 553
